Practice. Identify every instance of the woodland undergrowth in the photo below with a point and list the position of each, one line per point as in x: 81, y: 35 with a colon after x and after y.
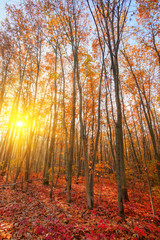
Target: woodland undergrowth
x: 33, y: 215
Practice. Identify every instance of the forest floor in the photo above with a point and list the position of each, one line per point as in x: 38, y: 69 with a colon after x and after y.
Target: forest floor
x: 32, y: 215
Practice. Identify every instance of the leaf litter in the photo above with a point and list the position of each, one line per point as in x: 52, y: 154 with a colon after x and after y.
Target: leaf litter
x: 33, y: 215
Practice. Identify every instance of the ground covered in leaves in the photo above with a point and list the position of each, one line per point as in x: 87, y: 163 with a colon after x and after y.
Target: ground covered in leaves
x: 32, y: 215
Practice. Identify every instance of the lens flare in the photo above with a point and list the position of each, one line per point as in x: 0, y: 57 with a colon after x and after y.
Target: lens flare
x: 20, y: 124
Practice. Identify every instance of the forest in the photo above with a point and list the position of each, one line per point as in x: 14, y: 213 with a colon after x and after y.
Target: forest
x: 80, y: 120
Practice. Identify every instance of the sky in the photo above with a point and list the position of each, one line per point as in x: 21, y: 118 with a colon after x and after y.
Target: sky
x: 2, y: 7
x: 16, y: 2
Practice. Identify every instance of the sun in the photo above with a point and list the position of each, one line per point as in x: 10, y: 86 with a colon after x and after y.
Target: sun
x: 20, y: 124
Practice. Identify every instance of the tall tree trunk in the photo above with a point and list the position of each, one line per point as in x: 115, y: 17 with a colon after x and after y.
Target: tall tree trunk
x: 148, y: 119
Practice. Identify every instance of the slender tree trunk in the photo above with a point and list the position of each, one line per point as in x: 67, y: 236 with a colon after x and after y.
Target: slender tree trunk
x: 148, y: 119
x: 53, y: 137
x: 46, y: 167
x: 96, y: 141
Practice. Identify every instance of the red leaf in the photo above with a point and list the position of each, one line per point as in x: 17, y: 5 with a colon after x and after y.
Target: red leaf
x: 39, y: 230
x: 139, y: 231
x: 49, y: 237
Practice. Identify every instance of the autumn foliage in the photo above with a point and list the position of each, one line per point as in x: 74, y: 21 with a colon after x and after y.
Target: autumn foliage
x: 80, y: 120
x: 33, y: 215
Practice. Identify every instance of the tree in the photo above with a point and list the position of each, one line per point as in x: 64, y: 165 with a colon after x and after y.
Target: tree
x: 110, y: 18
x: 148, y: 18
x: 140, y: 77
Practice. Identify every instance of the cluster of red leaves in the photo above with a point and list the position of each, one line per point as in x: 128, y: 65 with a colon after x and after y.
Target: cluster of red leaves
x: 32, y: 215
